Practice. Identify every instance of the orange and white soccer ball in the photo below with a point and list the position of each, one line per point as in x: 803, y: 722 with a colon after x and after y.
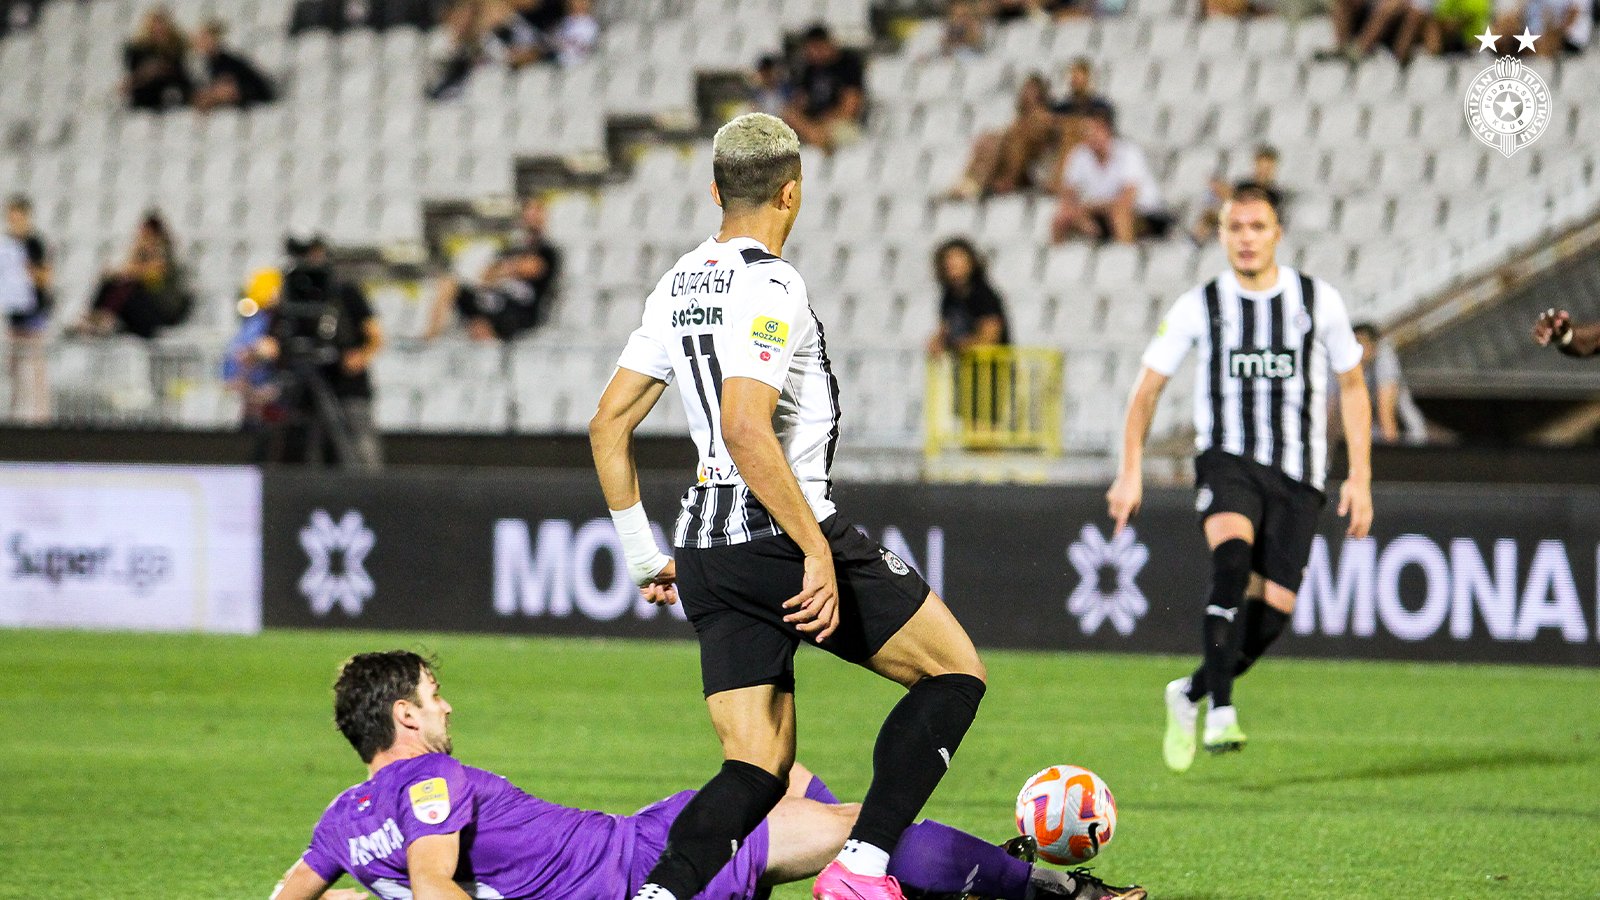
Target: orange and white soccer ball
x: 1069, y: 811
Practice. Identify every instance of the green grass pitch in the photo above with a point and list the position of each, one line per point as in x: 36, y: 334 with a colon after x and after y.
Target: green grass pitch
x: 187, y: 766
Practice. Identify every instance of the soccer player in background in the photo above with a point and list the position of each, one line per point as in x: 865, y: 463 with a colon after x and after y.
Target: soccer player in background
x: 423, y: 825
x: 1266, y: 336
x: 763, y: 559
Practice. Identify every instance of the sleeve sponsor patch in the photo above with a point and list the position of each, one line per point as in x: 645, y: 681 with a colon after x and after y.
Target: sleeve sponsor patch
x: 768, y: 336
x: 430, y: 801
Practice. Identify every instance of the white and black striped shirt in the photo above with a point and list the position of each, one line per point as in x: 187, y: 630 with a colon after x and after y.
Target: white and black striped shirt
x: 734, y: 310
x: 1261, y: 385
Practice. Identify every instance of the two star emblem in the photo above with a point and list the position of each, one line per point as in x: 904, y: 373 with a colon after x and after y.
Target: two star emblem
x: 1488, y: 40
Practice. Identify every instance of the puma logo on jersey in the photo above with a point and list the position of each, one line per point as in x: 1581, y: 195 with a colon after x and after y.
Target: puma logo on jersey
x: 697, y: 315
x: 1267, y: 363
x: 782, y: 284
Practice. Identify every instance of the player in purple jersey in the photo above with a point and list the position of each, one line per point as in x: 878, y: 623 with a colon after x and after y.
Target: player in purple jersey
x: 425, y: 826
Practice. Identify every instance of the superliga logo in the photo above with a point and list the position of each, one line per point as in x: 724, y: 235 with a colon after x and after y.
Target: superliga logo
x: 1508, y: 104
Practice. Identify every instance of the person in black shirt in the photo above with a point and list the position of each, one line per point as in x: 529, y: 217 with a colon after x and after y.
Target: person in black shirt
x: 971, y: 313
x: 356, y: 337
x: 30, y: 391
x: 830, y: 95
x: 145, y: 294
x: 231, y: 80
x: 157, y: 77
x: 515, y: 293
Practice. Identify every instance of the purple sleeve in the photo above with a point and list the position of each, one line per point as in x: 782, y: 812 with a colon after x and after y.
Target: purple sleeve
x: 321, y: 856
x: 439, y: 798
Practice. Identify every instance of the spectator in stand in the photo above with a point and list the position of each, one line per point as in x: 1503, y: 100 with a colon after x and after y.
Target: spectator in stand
x: 1005, y: 11
x: 1108, y: 191
x: 1454, y: 26
x: 515, y: 293
x: 1263, y: 174
x: 578, y: 34
x: 830, y: 93
x: 770, y: 91
x: 254, y: 379
x: 1395, y: 416
x: 158, y: 77
x: 459, y: 48
x: 1360, y: 25
x: 145, y: 294
x: 229, y: 79
x: 964, y: 30
x: 30, y: 313
x: 1017, y: 156
x: 971, y: 313
x: 510, y: 35
x: 1563, y: 26
x: 1081, y: 102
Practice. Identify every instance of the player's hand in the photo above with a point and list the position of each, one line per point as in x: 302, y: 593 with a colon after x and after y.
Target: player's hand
x: 1355, y: 501
x: 1123, y: 500
x: 816, y: 607
x: 1552, y: 325
x: 662, y: 590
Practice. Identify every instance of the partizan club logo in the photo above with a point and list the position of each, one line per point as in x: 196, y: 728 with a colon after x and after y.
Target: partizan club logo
x: 1508, y: 104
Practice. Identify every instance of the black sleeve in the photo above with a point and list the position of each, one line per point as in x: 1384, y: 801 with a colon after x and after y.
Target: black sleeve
x: 37, y: 256
x: 851, y: 73
x: 985, y: 302
x: 552, y: 260
x: 355, y: 303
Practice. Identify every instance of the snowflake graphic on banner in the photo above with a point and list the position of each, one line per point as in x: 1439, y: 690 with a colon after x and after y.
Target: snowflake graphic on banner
x: 1123, y: 604
x: 338, y: 551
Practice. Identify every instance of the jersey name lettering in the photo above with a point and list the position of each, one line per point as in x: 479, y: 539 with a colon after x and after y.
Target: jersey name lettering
x: 1270, y: 363
x: 697, y: 315
x: 710, y: 281
x: 377, y: 845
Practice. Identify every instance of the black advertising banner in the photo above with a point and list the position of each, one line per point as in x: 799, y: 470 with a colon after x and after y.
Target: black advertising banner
x: 1451, y: 573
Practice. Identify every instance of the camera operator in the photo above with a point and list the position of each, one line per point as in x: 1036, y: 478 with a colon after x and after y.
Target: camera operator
x: 322, y: 336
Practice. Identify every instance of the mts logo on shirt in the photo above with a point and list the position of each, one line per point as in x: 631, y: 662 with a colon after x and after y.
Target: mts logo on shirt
x: 1265, y: 363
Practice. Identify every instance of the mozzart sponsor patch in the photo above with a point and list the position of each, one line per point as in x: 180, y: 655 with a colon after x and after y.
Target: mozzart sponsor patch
x: 430, y: 800
x: 768, y: 337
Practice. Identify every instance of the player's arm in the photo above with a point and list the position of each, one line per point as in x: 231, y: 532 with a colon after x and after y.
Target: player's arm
x: 626, y: 401
x: 1355, y: 410
x: 1388, y: 411
x: 747, y: 408
x: 431, y: 865
x: 300, y: 883
x: 1555, y: 326
x: 1179, y: 330
x: 1127, y: 492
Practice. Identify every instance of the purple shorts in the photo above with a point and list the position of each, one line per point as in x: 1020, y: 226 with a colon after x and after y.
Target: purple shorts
x: 737, y: 880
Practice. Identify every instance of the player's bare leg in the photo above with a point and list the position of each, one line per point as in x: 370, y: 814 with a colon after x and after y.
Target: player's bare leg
x: 934, y: 658
x: 756, y: 727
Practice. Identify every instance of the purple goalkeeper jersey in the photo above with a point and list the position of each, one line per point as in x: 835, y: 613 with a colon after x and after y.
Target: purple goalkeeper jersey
x: 513, y: 844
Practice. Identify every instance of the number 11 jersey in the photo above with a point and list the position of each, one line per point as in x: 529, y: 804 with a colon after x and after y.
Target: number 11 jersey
x: 735, y: 310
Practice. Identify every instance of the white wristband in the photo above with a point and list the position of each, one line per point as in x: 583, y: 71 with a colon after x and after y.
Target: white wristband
x: 645, y: 559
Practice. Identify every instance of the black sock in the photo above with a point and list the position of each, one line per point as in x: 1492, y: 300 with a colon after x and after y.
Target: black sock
x: 1263, y: 623
x: 703, y: 837
x: 1230, y: 576
x: 914, y: 749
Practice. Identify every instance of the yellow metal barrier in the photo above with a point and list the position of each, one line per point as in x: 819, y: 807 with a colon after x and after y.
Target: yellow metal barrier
x: 995, y: 398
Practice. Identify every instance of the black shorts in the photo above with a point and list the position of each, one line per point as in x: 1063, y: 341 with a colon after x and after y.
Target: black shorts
x: 734, y: 597
x: 1283, y: 511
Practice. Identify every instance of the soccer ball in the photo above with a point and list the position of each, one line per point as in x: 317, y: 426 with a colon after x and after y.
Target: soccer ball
x: 1069, y: 811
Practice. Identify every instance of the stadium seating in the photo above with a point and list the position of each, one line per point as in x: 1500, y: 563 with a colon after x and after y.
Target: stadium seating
x: 1393, y: 198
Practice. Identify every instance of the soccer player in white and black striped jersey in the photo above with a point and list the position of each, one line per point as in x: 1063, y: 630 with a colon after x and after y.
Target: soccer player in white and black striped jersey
x: 763, y: 560
x: 1266, y: 337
